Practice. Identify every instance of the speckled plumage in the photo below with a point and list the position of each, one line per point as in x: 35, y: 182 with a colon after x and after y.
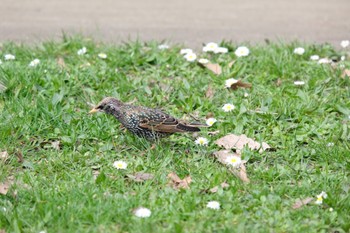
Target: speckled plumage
x: 144, y: 122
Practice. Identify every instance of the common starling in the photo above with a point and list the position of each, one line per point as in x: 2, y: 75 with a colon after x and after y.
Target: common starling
x: 144, y: 122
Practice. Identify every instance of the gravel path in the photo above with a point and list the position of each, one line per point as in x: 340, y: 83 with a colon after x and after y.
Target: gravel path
x: 191, y: 22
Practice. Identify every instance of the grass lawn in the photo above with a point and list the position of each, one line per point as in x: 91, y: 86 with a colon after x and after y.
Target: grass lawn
x: 58, y: 160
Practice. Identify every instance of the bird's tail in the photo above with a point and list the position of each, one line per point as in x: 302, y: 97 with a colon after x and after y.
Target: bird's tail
x: 193, y: 127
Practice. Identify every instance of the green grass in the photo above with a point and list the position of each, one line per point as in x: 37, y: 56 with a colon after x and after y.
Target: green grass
x: 55, y: 190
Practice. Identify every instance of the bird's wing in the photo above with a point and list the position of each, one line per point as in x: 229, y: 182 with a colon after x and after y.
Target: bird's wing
x: 162, y: 122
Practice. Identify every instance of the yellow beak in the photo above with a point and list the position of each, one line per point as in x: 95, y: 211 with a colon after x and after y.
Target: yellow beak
x: 93, y: 110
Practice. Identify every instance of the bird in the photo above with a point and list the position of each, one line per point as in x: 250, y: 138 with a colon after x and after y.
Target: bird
x: 149, y: 123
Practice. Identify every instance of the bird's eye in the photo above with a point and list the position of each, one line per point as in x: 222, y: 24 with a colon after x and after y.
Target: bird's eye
x: 100, y: 107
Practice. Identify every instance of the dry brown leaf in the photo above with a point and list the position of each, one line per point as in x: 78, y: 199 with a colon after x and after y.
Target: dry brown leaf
x: 214, y: 67
x: 231, y: 141
x: 216, y: 188
x: 231, y: 64
x: 243, y: 173
x: 241, y: 84
x: 210, y: 92
x: 299, y: 203
x: 140, y: 176
x: 279, y: 82
x: 4, y: 155
x: 60, y: 62
x: 19, y: 156
x: 55, y: 145
x: 4, y: 187
x: 240, y: 172
x: 2, y: 231
x: 177, y: 183
x: 345, y: 73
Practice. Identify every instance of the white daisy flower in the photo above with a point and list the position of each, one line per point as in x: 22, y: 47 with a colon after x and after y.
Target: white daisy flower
x: 120, y: 164
x: 142, y: 212
x: 324, y: 194
x: 230, y: 82
x: 210, y: 47
x: 102, y: 55
x: 344, y: 43
x: 233, y: 161
x: 299, y: 83
x: 82, y: 51
x: 246, y: 94
x: 202, y: 141
x: 9, y: 57
x: 163, y: 46
x: 211, y: 121
x: 190, y: 57
x: 228, y: 107
x: 299, y: 51
x: 221, y: 50
x: 342, y: 58
x: 203, y: 61
x: 215, y: 205
x: 330, y: 144
x: 314, y: 57
x: 242, y: 51
x: 186, y: 51
x: 320, y: 198
x: 331, y: 209
x: 34, y: 63
x: 324, y: 61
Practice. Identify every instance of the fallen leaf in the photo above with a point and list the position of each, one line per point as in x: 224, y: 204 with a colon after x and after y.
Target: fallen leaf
x: 2, y: 231
x: 345, y: 73
x: 4, y: 187
x: 216, y: 188
x: 299, y: 203
x: 279, y: 82
x: 55, y: 145
x: 242, y: 173
x: 4, y: 155
x: 210, y: 92
x: 214, y: 67
x: 60, y: 62
x: 209, y: 115
x: 232, y: 141
x: 140, y: 176
x: 19, y: 156
x: 177, y: 183
x: 239, y: 172
x: 231, y: 64
x: 241, y: 84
